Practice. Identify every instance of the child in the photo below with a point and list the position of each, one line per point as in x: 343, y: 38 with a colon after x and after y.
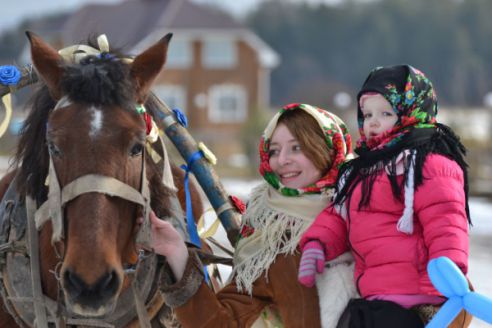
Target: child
x: 402, y: 202
x: 301, y: 150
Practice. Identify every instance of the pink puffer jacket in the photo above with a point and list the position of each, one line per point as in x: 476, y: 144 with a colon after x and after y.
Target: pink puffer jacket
x: 389, y: 261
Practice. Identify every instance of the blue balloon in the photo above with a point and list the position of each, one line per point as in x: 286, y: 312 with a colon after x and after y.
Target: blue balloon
x: 437, y: 279
x: 450, y: 276
x: 446, y: 313
x: 448, y: 279
x: 478, y: 305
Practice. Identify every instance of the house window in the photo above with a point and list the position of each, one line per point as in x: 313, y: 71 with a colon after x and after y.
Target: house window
x: 173, y: 95
x: 219, y: 53
x: 227, y: 104
x: 180, y: 54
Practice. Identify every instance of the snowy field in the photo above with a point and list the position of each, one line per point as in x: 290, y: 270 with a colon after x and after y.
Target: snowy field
x: 480, y: 271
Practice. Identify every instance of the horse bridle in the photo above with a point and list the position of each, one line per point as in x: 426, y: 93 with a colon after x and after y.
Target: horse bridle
x: 52, y: 208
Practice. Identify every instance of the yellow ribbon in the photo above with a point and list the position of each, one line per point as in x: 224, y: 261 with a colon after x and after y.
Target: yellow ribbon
x: 211, y: 230
x: 76, y: 52
x: 153, y: 154
x: 154, y: 132
x: 7, y: 102
x: 73, y: 54
x: 207, y: 153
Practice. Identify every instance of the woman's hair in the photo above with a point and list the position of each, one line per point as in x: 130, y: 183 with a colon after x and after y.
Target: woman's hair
x: 307, y: 131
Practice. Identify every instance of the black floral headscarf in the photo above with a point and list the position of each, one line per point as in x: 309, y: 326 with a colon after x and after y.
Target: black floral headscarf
x: 414, y: 101
x: 411, y: 96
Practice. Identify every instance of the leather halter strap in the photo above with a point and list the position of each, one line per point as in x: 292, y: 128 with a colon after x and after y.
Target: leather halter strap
x: 52, y: 209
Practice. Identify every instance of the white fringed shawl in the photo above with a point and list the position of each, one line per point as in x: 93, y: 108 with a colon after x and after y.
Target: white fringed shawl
x: 271, y: 215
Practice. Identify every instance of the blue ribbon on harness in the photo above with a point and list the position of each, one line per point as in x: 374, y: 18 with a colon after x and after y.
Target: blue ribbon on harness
x: 190, y: 220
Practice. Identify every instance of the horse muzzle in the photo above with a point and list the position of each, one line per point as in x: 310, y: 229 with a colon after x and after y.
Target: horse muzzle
x: 93, y: 300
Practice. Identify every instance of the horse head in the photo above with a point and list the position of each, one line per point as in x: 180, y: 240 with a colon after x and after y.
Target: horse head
x: 94, y: 128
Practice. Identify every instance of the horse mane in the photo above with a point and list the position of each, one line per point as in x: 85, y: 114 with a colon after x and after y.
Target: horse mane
x: 31, y: 156
x: 102, y: 80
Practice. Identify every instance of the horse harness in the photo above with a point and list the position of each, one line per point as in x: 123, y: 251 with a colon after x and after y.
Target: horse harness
x: 20, y: 286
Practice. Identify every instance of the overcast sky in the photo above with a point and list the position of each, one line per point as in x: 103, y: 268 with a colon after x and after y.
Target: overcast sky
x: 14, y: 11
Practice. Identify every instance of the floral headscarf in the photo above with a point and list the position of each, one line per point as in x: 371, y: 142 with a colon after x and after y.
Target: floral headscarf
x: 274, y: 222
x: 411, y: 96
x: 337, y: 139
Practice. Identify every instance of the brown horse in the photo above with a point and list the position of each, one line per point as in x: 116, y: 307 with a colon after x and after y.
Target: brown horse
x: 84, y: 122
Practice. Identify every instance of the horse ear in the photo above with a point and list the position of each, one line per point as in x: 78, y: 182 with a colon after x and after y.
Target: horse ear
x: 147, y: 65
x: 47, y: 62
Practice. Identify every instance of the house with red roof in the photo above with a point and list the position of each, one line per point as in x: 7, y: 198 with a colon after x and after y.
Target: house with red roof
x: 217, y: 70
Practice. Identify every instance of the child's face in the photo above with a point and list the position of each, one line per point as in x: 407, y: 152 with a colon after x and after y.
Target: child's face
x: 378, y: 116
x: 288, y: 161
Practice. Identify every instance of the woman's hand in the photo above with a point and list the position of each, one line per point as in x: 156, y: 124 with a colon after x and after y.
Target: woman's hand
x: 167, y: 241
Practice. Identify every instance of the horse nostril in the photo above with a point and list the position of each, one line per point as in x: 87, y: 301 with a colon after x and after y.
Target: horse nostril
x: 73, y: 282
x: 105, y: 286
x: 108, y: 283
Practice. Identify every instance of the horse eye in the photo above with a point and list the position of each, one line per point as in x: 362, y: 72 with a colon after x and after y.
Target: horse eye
x: 53, y: 149
x: 136, y: 150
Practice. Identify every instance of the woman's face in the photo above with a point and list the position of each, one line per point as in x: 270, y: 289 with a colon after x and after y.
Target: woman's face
x: 288, y: 161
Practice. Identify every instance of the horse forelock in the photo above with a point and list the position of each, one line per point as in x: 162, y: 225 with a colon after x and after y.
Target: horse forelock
x: 99, y: 80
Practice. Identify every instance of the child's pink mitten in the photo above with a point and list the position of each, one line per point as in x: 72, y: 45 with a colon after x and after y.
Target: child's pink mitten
x: 312, y: 261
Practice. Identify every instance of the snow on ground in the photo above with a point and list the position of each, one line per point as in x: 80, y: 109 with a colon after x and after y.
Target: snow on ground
x: 480, y: 264
x: 481, y: 214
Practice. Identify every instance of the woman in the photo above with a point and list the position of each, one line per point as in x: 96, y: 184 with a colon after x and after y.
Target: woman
x: 301, y: 151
